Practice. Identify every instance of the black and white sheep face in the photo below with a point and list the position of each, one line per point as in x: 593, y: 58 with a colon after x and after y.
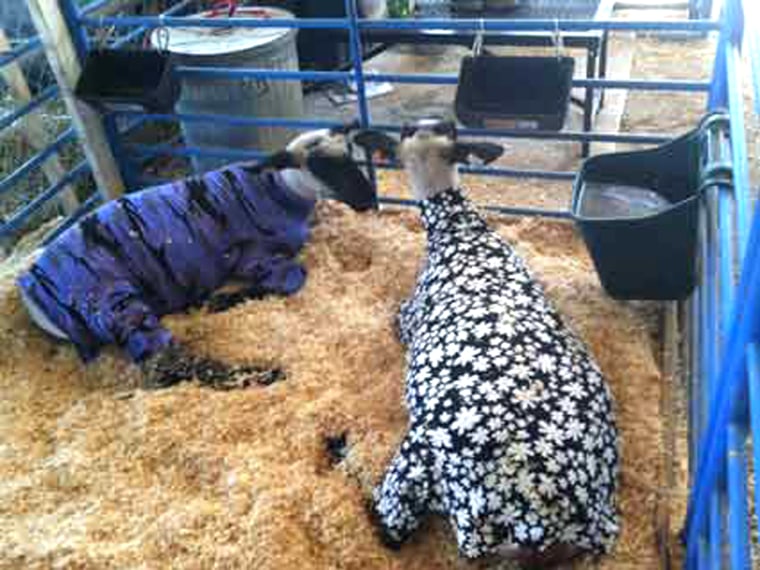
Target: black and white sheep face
x: 430, y: 152
x: 427, y: 159
x: 318, y: 164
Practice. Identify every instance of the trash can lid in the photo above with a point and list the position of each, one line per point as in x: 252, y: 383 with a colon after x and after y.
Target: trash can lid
x: 218, y: 41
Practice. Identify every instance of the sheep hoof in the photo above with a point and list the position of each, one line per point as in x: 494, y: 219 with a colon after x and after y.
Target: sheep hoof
x: 238, y: 378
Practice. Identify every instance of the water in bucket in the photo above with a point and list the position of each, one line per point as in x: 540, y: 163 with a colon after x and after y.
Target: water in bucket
x: 601, y: 200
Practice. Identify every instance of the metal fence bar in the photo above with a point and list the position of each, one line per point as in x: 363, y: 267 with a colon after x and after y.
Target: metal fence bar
x: 36, y: 161
x: 188, y: 151
x: 179, y: 22
x: 234, y: 154
x: 632, y: 84
x: 77, y: 215
x: 738, y: 144
x: 235, y: 120
x: 752, y: 33
x: 426, y: 78
x: 470, y: 25
x: 722, y: 462
x: 41, y: 99
x: 659, y: 6
x: 17, y: 221
x: 753, y: 378
x: 738, y: 516
x: 94, y: 6
x: 744, y: 328
x: 714, y: 523
x: 513, y: 211
x: 546, y: 25
x: 355, y: 49
x: 279, y: 74
x: 29, y: 46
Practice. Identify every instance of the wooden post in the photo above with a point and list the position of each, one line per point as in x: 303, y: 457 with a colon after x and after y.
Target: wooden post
x: 62, y: 56
x: 34, y: 129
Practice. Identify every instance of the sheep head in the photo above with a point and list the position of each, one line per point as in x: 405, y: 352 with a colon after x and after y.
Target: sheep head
x: 430, y: 153
x: 318, y: 164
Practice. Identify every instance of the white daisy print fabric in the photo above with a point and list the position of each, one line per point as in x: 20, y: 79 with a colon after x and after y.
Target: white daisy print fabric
x: 512, y: 434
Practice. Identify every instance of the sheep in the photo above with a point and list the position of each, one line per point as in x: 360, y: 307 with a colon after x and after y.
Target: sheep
x: 109, y: 278
x: 512, y: 433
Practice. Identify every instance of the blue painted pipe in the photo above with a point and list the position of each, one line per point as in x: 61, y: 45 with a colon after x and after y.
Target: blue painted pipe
x: 471, y: 25
x: 75, y: 216
x: 181, y: 22
x: 738, y: 515
x: 738, y: 144
x: 19, y: 220
x: 36, y: 161
x: 633, y: 84
x: 29, y: 46
x: 744, y: 328
x: 282, y: 75
x: 235, y: 120
x: 514, y: 211
x: 94, y: 6
x: 547, y: 25
x: 233, y: 154
x: 154, y: 150
x: 426, y: 78
x: 48, y: 94
x: 753, y: 379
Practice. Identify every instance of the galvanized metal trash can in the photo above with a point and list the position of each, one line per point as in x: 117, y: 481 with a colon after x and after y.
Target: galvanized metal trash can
x: 264, y: 48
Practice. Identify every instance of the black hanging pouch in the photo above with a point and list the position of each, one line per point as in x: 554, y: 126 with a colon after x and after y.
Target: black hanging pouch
x: 514, y: 92
x: 117, y: 78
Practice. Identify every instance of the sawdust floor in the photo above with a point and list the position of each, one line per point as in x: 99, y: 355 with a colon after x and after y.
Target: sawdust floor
x: 94, y: 474
x: 96, y: 477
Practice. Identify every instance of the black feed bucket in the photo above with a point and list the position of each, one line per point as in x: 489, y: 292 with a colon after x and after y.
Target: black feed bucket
x: 514, y: 92
x: 127, y: 78
x: 638, y: 211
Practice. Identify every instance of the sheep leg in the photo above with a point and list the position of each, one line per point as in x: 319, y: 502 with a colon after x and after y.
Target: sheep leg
x: 405, y: 321
x: 265, y: 275
x: 401, y: 501
x: 221, y: 302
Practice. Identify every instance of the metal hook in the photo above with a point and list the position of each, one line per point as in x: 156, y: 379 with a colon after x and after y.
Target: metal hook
x: 477, y: 45
x: 103, y: 34
x: 162, y: 35
x: 557, y: 40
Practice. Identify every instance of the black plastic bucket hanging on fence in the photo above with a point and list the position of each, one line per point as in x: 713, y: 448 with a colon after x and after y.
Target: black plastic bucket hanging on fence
x: 114, y: 78
x: 514, y: 92
x: 638, y: 211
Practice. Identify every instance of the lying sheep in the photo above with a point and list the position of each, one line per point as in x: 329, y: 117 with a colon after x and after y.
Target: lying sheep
x: 111, y: 277
x: 512, y: 433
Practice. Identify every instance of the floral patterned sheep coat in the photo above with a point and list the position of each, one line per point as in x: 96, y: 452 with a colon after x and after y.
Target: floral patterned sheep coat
x: 512, y: 434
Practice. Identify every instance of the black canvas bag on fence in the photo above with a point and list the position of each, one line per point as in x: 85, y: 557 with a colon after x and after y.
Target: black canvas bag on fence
x: 514, y: 92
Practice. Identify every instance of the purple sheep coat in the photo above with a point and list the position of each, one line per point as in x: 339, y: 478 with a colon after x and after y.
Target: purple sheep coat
x: 111, y: 277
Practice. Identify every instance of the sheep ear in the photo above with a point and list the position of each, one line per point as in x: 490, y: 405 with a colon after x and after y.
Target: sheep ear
x: 346, y: 128
x: 376, y: 141
x: 345, y: 181
x: 446, y: 129
x: 276, y: 161
x: 480, y: 152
